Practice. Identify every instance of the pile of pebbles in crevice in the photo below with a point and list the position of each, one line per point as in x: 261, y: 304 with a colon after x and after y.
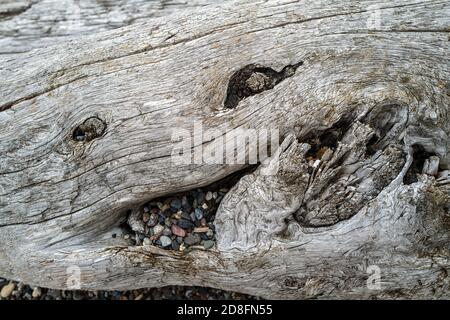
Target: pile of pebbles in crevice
x: 177, y: 222
x: 181, y: 221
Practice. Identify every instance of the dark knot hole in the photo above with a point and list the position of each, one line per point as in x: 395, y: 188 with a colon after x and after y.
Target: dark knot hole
x: 89, y: 130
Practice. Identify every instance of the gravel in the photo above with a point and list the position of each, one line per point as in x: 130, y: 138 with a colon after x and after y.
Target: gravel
x: 20, y: 291
x: 178, y: 222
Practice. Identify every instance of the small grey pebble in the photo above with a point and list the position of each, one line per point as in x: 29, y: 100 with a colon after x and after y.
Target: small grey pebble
x: 208, y: 244
x: 192, y: 239
x: 176, y: 204
x: 165, y: 241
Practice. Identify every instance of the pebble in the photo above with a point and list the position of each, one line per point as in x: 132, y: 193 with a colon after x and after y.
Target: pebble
x: 176, y: 204
x: 177, y: 215
x: 158, y: 229
x: 200, y: 197
x: 37, y: 292
x: 205, y: 206
x: 215, y: 195
x: 185, y: 215
x: 192, y: 239
x: 139, y: 297
x: 198, y: 213
x: 208, y: 244
x: 210, y: 233
x: 147, y: 242
x: 154, y: 210
x: 185, y: 202
x: 167, y: 232
x: 209, y: 196
x: 175, y: 245
x: 185, y: 224
x: 7, y: 290
x: 178, y: 231
x: 203, y: 236
x: 153, y: 220
x: 146, y: 217
x: 165, y: 241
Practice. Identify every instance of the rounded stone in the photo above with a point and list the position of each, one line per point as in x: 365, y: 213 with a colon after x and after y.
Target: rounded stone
x: 153, y: 220
x: 147, y: 242
x: 185, y: 224
x: 7, y: 290
x: 192, y: 239
x: 198, y: 213
x: 165, y: 241
x: 176, y: 204
x: 208, y: 244
x: 178, y: 231
x: 158, y: 229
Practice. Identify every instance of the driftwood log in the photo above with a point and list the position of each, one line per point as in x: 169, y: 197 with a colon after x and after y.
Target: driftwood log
x: 359, y: 186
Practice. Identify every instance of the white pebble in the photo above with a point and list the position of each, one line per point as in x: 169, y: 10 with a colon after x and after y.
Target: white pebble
x: 37, y: 292
x: 7, y: 290
x: 158, y: 229
x: 147, y: 242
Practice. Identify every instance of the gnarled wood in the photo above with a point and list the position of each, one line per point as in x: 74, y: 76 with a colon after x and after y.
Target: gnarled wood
x: 339, y: 198
x: 31, y: 24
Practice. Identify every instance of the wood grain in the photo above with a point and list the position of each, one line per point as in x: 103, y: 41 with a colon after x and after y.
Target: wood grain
x: 60, y: 199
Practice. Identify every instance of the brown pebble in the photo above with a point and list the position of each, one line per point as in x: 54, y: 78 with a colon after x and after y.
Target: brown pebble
x: 201, y: 230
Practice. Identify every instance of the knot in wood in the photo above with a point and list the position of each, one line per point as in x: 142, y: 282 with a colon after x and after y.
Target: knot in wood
x: 89, y: 130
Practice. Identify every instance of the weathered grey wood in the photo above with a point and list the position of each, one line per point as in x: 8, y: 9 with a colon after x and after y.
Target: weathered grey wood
x: 60, y: 199
x: 30, y: 24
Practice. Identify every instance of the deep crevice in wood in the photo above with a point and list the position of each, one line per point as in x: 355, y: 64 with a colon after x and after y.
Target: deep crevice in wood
x: 419, y: 156
x: 254, y: 79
